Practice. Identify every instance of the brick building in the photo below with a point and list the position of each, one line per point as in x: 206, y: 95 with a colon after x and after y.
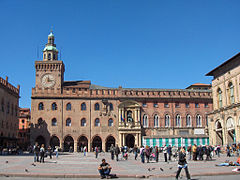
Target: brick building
x: 24, y: 128
x: 79, y: 113
x: 9, y: 101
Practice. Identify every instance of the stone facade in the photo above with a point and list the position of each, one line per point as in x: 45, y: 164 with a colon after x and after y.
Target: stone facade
x: 9, y: 102
x: 224, y: 127
x: 77, y: 113
x: 24, y: 128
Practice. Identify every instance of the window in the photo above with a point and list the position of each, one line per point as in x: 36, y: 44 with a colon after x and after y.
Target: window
x: 145, y: 120
x: 54, y: 122
x: 177, y: 105
x: 49, y: 56
x: 111, y: 107
x: 167, y: 120
x: 198, y: 120
x: 156, y: 122
x: 231, y: 88
x: 69, y: 107
x: 187, y: 105
x: 155, y: 104
x: 178, y: 120
x: 196, y: 105
x: 188, y: 121
x: 23, y: 121
x: 40, y: 106
x: 40, y: 121
x: 68, y: 122
x: 110, y: 122
x: 219, y: 98
x: 96, y: 107
x: 206, y: 105
x: 54, y: 106
x: 144, y: 104
x: 83, y: 107
x: 97, y: 122
x: 83, y: 122
x: 2, y: 105
x: 166, y: 105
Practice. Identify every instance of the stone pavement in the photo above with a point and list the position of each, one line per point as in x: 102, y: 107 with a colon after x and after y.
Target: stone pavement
x: 75, y: 165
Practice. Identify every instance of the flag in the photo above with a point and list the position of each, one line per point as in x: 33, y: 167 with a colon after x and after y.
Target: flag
x: 122, y: 119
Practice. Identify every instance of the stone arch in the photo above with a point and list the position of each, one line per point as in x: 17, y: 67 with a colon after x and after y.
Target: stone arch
x: 68, y: 143
x: 40, y: 140
x: 109, y: 141
x: 130, y: 140
x: 54, y: 141
x: 97, y: 142
x: 82, y: 141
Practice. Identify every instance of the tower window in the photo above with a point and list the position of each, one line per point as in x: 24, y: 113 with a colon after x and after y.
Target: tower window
x: 49, y: 56
x: 68, y: 122
x: 83, y: 107
x: 54, y: 106
x: 69, y: 107
x: 96, y: 107
x: 110, y: 122
x: 97, y: 122
x: 83, y: 122
x: 54, y: 122
x: 40, y: 106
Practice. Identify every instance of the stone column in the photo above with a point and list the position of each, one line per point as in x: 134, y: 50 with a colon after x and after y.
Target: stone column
x: 140, y: 139
x: 123, y: 140
x: 120, y: 140
x: 119, y: 120
x: 136, y: 119
x: 75, y: 146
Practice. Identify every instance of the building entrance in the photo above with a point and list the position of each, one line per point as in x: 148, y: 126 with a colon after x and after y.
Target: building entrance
x: 68, y: 144
x: 110, y: 140
x: 97, y: 142
x: 130, y: 141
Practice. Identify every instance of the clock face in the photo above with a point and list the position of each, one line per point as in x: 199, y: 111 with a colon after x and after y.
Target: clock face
x: 48, y: 80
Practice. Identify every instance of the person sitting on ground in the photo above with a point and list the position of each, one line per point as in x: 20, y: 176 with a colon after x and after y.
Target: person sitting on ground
x: 104, y: 169
x: 238, y: 161
x: 226, y: 163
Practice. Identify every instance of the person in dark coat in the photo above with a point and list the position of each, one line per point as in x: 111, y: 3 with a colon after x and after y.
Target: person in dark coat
x: 112, y: 151
x: 169, y: 151
x: 147, y: 153
x: 182, y: 163
x: 117, y: 152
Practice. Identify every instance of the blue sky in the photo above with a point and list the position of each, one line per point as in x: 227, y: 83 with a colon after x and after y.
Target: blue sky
x: 133, y: 43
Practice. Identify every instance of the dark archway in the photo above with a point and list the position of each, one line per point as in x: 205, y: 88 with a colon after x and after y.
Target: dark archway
x: 82, y: 141
x: 109, y: 141
x: 40, y: 140
x: 54, y: 141
x: 97, y: 142
x: 68, y: 144
x: 130, y: 141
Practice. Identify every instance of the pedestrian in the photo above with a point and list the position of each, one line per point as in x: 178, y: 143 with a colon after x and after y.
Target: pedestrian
x: 104, y: 169
x: 50, y: 151
x: 85, y: 151
x: 147, y: 153
x: 156, y: 153
x: 56, y: 151
x: 117, y: 152
x: 42, y: 153
x: 218, y: 150
x: 169, y: 151
x: 36, y: 150
x: 135, y: 151
x: 96, y: 152
x: 182, y: 163
x: 208, y: 153
x: 165, y: 152
x: 189, y: 150
x: 228, y: 151
x: 112, y: 151
x: 194, y: 150
x: 142, y: 154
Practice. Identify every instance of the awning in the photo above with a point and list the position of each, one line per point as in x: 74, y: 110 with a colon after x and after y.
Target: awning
x: 176, y: 141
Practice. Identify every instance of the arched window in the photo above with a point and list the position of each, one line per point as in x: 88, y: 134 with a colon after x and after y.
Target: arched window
x: 96, y: 107
x: 219, y: 92
x: 40, y: 106
x: 54, y: 122
x: 40, y: 121
x: 231, y: 93
x: 69, y: 107
x: 167, y: 120
x: 156, y: 122
x: 110, y: 122
x: 97, y: 122
x: 83, y: 107
x: 54, y: 106
x: 188, y: 121
x: 198, y: 120
x: 49, y: 56
x: 178, y: 120
x: 68, y: 122
x: 111, y: 107
x: 83, y: 122
x: 145, y: 120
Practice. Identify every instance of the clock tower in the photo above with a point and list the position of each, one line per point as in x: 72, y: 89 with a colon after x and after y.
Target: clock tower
x: 50, y: 71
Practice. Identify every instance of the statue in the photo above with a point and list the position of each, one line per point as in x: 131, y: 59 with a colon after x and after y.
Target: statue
x: 129, y: 117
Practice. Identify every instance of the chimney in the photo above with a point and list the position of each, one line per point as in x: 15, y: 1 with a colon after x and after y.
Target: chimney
x: 6, y: 78
x: 18, y: 87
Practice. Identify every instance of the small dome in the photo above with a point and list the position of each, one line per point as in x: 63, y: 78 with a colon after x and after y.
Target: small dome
x: 51, y: 34
x: 50, y: 48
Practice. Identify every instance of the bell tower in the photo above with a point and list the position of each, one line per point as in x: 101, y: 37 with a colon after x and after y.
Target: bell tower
x: 50, y: 70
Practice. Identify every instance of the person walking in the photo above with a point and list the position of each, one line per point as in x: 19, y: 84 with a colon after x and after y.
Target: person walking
x: 156, y: 153
x: 50, y: 151
x: 135, y: 151
x: 117, y: 152
x: 85, y: 151
x: 36, y: 150
x: 112, y: 151
x: 142, y: 154
x: 42, y: 153
x: 182, y: 163
x: 96, y: 152
x: 169, y: 151
x: 194, y: 150
x: 165, y: 152
x: 228, y: 151
x: 147, y: 153
x: 56, y: 151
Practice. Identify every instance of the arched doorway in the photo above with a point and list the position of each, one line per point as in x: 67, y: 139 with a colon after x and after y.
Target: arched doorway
x: 109, y: 141
x: 54, y: 141
x: 82, y: 141
x: 68, y: 144
x: 40, y: 140
x: 97, y: 142
x: 219, y: 135
x: 231, y: 131
x: 130, y: 141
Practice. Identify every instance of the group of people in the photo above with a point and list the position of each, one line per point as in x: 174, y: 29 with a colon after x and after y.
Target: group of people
x: 40, y: 150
